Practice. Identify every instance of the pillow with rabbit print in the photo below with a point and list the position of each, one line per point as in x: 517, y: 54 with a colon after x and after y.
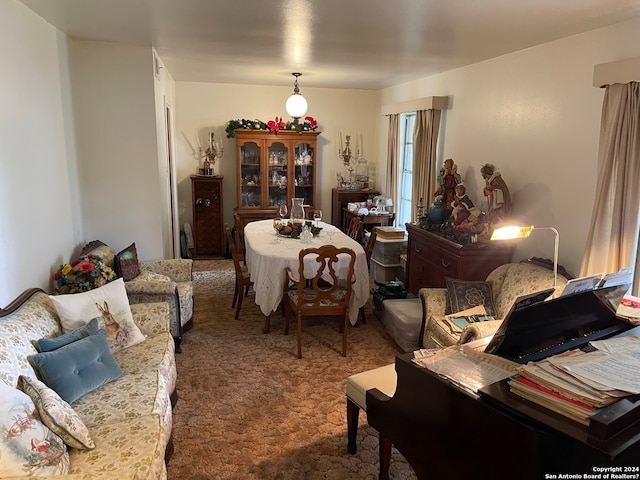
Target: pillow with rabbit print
x: 109, y: 304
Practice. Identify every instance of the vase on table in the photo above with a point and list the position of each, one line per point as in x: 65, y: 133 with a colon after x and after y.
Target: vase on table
x: 297, y: 213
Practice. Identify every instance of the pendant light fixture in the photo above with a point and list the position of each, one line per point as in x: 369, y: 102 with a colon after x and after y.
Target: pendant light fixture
x: 296, y: 105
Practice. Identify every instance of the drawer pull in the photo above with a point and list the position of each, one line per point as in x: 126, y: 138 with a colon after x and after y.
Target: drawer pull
x: 445, y: 264
x: 417, y: 249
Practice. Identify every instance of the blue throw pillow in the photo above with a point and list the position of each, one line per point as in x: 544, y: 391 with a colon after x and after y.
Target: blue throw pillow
x: 79, y: 367
x: 50, y: 344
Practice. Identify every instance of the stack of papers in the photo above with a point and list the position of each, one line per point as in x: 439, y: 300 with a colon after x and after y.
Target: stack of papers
x: 578, y: 384
x: 467, y: 368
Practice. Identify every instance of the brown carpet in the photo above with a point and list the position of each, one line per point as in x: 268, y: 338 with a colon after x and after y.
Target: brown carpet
x: 249, y: 409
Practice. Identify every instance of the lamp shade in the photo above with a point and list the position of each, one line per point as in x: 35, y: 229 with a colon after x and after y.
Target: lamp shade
x: 296, y: 105
x: 510, y: 232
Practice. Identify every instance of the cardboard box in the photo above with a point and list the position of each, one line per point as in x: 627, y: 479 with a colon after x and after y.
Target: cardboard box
x: 390, y: 233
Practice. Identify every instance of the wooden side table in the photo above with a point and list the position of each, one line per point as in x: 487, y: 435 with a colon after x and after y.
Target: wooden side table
x: 369, y: 221
x: 340, y: 199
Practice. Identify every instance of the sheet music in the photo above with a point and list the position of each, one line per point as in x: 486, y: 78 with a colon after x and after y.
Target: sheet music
x: 582, y: 284
x: 617, y: 278
x: 468, y: 368
x: 616, y: 371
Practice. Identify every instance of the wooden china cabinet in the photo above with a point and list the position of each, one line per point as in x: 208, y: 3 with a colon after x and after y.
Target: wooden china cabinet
x: 272, y: 169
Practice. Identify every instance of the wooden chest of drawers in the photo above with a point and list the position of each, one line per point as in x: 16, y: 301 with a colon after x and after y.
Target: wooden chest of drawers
x: 432, y: 258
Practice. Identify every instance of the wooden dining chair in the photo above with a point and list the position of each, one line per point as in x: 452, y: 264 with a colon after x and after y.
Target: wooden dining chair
x: 356, y: 229
x: 368, y: 251
x: 239, y: 243
x: 243, y: 279
x: 371, y: 243
x: 323, y: 297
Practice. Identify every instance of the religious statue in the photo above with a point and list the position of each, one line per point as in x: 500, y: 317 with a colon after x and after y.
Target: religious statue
x: 447, y: 181
x: 497, y: 194
x: 462, y: 205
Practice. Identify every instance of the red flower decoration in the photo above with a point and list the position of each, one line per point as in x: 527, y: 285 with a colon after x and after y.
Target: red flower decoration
x: 311, y: 121
x: 276, y: 126
x: 84, y: 267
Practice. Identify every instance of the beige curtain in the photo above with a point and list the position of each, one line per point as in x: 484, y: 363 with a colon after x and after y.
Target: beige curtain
x: 612, y: 243
x: 393, y: 138
x: 425, y: 139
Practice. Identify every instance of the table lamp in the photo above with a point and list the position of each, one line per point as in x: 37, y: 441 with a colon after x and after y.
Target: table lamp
x: 511, y: 232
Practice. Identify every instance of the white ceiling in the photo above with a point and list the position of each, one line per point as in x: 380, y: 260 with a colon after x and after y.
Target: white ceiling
x: 365, y: 44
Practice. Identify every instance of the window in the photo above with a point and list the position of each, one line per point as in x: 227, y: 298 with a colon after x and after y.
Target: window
x: 405, y: 174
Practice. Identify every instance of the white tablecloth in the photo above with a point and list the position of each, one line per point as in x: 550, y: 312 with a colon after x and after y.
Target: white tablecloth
x: 267, y: 260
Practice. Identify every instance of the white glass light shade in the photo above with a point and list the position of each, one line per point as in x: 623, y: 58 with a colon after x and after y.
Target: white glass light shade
x: 511, y: 232
x: 296, y: 105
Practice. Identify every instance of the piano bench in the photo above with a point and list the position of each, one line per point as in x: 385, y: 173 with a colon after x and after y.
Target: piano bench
x: 382, y: 378
x: 403, y: 321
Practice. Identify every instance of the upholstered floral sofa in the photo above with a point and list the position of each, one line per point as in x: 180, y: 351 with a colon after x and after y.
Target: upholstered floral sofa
x: 119, y: 430
x: 502, y: 287
x: 153, y: 281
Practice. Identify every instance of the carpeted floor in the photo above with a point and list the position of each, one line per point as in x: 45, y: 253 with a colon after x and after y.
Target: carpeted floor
x: 249, y: 409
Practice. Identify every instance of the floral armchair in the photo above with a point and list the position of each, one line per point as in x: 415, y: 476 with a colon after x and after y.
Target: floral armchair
x: 153, y: 281
x: 507, y: 283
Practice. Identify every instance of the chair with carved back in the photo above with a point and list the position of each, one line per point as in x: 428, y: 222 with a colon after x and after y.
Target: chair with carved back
x: 243, y: 279
x: 371, y: 242
x: 356, y: 229
x: 368, y: 251
x: 239, y: 240
x: 328, y: 296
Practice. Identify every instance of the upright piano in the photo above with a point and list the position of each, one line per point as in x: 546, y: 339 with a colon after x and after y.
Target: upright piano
x: 446, y: 432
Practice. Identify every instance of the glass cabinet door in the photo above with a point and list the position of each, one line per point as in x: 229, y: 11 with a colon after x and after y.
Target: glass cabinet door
x: 304, y: 173
x: 278, y: 174
x: 250, y: 178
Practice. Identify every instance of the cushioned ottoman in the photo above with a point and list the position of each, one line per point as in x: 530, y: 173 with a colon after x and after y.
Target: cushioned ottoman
x: 383, y: 378
x: 403, y: 320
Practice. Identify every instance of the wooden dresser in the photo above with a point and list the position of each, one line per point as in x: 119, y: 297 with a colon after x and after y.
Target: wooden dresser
x: 431, y: 258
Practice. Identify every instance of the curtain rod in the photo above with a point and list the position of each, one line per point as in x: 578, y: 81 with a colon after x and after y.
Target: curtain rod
x: 424, y: 103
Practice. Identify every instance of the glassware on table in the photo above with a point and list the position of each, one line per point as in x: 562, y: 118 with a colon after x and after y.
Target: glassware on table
x: 277, y: 224
x: 297, y: 213
x: 283, y: 211
x: 330, y: 232
x: 317, y: 216
x: 306, y: 235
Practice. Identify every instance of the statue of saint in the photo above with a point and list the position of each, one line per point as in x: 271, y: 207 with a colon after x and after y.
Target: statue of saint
x: 497, y: 194
x: 462, y: 205
x: 447, y: 181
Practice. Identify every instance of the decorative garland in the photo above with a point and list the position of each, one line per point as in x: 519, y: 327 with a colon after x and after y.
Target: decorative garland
x: 309, y: 124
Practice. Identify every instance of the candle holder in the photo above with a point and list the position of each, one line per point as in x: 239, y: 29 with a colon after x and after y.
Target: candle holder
x: 348, y: 159
x: 210, y: 155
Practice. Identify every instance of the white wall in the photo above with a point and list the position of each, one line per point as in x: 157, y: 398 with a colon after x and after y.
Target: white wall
x: 536, y: 116
x: 164, y: 93
x: 117, y: 144
x: 39, y: 208
x: 201, y: 106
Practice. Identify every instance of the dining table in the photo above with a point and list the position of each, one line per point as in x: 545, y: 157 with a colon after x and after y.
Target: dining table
x: 268, y: 254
